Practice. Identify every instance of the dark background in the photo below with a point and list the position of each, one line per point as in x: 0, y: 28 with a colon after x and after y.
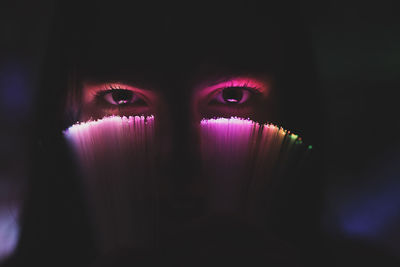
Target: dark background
x: 357, y: 51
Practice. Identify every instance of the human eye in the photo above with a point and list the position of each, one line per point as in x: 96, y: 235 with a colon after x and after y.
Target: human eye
x: 119, y: 97
x: 115, y: 98
x: 234, y: 95
x: 240, y: 97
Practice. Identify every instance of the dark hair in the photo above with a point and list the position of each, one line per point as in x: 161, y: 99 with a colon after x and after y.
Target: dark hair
x: 248, y: 38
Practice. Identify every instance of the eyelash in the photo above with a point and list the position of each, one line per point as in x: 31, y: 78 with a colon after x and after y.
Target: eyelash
x: 108, y: 89
x: 251, y: 89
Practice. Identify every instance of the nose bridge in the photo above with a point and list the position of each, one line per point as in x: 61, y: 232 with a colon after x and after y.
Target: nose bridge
x: 184, y: 132
x: 184, y: 157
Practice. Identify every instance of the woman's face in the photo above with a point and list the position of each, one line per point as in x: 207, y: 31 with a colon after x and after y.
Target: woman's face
x: 180, y: 69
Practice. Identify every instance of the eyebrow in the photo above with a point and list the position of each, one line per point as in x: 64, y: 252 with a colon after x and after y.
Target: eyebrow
x: 224, y: 79
x: 200, y: 84
x: 241, y: 80
x: 137, y: 83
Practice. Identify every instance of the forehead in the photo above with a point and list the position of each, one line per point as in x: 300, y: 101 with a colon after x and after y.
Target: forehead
x: 150, y: 44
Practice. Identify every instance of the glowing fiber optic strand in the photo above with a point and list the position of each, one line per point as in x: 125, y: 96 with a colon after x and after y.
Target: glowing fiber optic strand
x: 117, y: 159
x: 241, y: 157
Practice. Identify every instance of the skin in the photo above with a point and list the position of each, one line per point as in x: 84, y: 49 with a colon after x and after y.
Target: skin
x: 206, y: 99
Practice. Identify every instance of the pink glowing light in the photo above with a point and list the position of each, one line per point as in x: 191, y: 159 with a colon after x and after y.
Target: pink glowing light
x: 240, y: 156
x: 9, y: 230
x: 107, y: 123
x: 242, y: 124
x: 116, y: 156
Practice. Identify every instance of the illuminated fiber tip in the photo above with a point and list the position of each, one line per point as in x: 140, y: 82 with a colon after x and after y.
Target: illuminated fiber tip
x: 232, y: 120
x: 248, y: 122
x: 112, y: 120
x: 244, y: 123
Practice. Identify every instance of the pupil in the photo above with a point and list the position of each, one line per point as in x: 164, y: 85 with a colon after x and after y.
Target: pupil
x: 232, y: 95
x: 122, y: 96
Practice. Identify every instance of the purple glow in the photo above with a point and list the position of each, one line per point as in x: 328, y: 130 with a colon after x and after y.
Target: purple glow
x: 9, y: 231
x: 15, y: 92
x: 370, y: 210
